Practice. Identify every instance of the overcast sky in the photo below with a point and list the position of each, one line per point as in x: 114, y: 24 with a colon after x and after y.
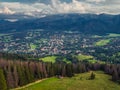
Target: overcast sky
x: 63, y: 6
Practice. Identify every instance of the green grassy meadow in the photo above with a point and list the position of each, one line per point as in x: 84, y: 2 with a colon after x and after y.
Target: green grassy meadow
x: 102, y: 42
x: 84, y: 57
x: 33, y: 46
x: 113, y: 35
x: 80, y: 57
x: 78, y: 82
x: 67, y: 61
x: 49, y: 59
x: 87, y: 58
x: 106, y: 39
x: 110, y: 35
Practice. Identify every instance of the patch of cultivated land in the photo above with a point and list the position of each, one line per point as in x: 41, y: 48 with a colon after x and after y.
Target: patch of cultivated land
x: 78, y: 82
x: 87, y: 58
x: 113, y: 35
x: 110, y: 35
x: 102, y: 42
x: 33, y: 46
x: 67, y: 61
x: 84, y: 57
x: 49, y: 59
x: 80, y: 57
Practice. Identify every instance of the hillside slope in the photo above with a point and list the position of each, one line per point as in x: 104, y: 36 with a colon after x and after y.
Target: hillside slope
x: 78, y: 82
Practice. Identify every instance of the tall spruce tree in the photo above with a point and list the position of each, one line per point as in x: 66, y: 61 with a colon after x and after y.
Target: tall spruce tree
x: 69, y: 70
x: 3, y: 85
x: 92, y: 76
x: 115, y: 75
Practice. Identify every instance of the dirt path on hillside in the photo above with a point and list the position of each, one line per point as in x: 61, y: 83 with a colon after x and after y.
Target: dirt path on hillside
x: 28, y: 85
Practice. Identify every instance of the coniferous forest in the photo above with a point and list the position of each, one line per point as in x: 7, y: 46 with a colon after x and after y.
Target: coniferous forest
x: 19, y: 72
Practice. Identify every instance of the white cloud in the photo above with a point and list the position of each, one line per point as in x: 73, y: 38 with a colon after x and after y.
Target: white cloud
x: 74, y: 6
x: 1, y: 11
x: 96, y: 1
x: 56, y: 6
x: 6, y: 10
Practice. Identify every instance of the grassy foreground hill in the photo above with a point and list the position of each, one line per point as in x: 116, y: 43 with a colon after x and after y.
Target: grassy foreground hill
x: 78, y: 82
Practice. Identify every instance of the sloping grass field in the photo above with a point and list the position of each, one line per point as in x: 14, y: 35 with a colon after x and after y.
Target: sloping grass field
x: 84, y: 57
x: 102, y: 42
x: 113, y: 35
x: 80, y: 57
x: 78, y: 82
x: 49, y: 59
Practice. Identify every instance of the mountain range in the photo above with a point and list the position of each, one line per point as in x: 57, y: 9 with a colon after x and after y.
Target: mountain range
x: 86, y: 23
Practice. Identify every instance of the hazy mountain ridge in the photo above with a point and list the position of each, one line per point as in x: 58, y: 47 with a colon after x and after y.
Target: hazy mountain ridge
x: 87, y: 23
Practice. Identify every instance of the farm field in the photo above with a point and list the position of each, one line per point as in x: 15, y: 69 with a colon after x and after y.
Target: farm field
x: 102, y: 42
x: 84, y: 57
x: 80, y: 57
x: 32, y: 46
x: 113, y: 35
x: 49, y: 59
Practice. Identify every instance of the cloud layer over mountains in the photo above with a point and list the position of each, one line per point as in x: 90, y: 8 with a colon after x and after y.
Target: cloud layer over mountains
x: 61, y: 6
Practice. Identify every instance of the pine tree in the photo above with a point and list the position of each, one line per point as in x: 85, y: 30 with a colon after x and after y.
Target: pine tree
x: 9, y: 76
x: 21, y: 75
x: 3, y: 85
x: 63, y: 71
x: 69, y: 70
x: 10, y: 80
x: 115, y: 75
x: 92, y: 76
x: 15, y: 75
